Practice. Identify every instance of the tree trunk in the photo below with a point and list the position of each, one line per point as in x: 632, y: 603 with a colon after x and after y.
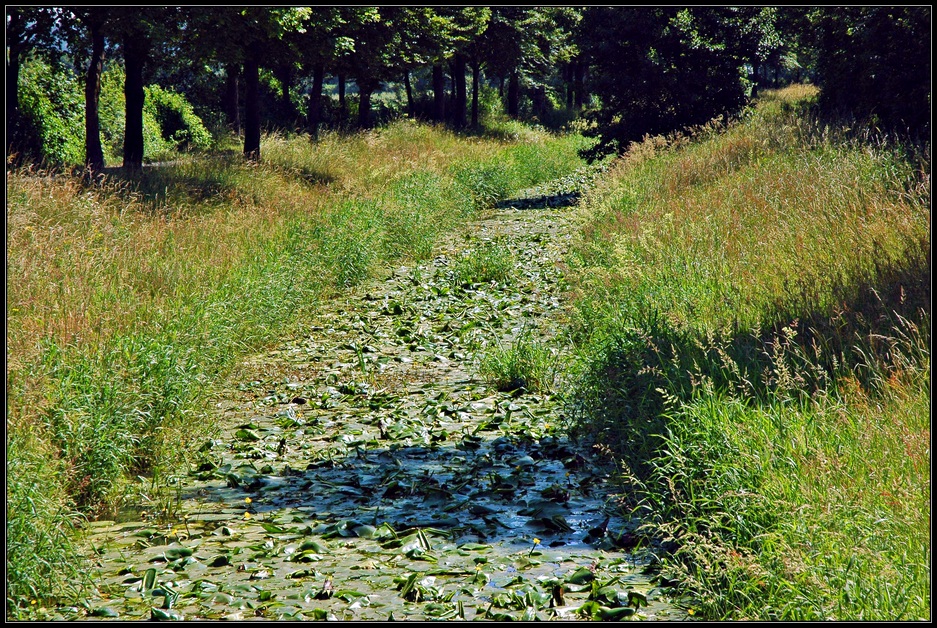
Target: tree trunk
x: 94, y: 154
x: 409, y: 88
x: 580, y: 83
x: 475, y: 79
x: 439, y: 94
x: 461, y: 94
x: 285, y: 76
x: 514, y: 94
x: 252, y: 105
x: 135, y: 52
x: 754, y: 79
x: 231, y: 107
x: 452, y: 91
x: 568, y: 76
x: 342, y: 109
x: 13, y: 69
x: 364, y: 106
x: 315, y: 100
x: 540, y: 103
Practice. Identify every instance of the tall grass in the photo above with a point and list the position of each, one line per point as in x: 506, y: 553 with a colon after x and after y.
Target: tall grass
x: 754, y: 320
x: 128, y: 301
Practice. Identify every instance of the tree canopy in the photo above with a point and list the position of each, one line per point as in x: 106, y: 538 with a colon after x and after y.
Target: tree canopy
x: 628, y: 71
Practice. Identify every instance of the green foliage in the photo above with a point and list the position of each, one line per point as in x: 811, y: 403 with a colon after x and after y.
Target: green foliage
x: 487, y: 183
x: 874, y: 63
x: 492, y: 261
x: 533, y: 163
x: 351, y: 242
x: 112, y: 112
x: 52, y: 120
x: 112, y: 116
x: 658, y: 70
x: 745, y: 371
x: 177, y: 121
x: 40, y: 528
x: 526, y: 365
x: 418, y: 208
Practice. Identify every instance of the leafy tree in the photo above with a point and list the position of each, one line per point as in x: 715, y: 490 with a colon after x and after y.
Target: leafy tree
x: 94, y: 18
x: 659, y: 69
x: 51, y: 119
x: 524, y: 46
x: 138, y: 31
x: 875, y: 62
x: 317, y: 45
x: 28, y: 29
x: 244, y: 35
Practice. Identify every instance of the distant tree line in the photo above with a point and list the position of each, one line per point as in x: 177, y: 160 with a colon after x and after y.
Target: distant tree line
x: 628, y: 71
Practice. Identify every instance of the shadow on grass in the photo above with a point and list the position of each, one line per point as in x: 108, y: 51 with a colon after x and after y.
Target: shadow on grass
x: 634, y: 373
x: 203, y: 179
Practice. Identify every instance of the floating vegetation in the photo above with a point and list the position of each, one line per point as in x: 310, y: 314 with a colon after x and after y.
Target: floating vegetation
x: 383, y: 478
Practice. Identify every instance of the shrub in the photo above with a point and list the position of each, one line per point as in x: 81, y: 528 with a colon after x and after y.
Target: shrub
x: 176, y: 119
x: 52, y: 115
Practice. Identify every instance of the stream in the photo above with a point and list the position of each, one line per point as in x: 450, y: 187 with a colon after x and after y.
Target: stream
x: 365, y: 471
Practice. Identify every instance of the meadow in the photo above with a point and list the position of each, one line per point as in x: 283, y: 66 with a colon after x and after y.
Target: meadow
x: 753, y: 321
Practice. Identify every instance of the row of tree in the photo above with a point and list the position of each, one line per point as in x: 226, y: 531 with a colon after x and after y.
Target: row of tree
x: 651, y: 69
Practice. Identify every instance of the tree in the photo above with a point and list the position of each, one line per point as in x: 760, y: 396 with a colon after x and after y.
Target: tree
x: 317, y: 45
x: 140, y: 31
x: 659, y: 69
x: 28, y: 29
x: 524, y: 46
x: 94, y: 18
x: 874, y: 63
x: 244, y: 36
x: 52, y: 32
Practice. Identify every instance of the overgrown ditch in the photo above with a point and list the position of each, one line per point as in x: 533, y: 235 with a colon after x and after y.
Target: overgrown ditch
x: 365, y: 471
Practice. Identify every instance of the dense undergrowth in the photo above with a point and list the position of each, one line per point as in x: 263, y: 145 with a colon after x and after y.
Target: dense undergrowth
x: 128, y: 300
x: 754, y: 319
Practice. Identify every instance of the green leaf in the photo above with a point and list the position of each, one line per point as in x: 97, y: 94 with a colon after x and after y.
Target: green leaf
x: 104, y: 611
x: 178, y: 552
x: 637, y: 599
x: 247, y: 435
x: 615, y: 614
x: 149, y: 579
x: 581, y: 576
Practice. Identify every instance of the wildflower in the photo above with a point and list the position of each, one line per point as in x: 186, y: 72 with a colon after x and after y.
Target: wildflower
x: 247, y: 515
x: 536, y: 543
x: 247, y: 500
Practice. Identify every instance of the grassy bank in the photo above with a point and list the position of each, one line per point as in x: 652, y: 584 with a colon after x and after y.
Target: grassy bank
x: 129, y: 300
x: 754, y: 316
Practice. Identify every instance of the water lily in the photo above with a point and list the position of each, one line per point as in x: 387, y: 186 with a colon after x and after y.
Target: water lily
x: 536, y: 543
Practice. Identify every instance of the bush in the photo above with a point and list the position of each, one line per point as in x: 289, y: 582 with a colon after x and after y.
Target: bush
x: 176, y: 119
x: 51, y: 129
